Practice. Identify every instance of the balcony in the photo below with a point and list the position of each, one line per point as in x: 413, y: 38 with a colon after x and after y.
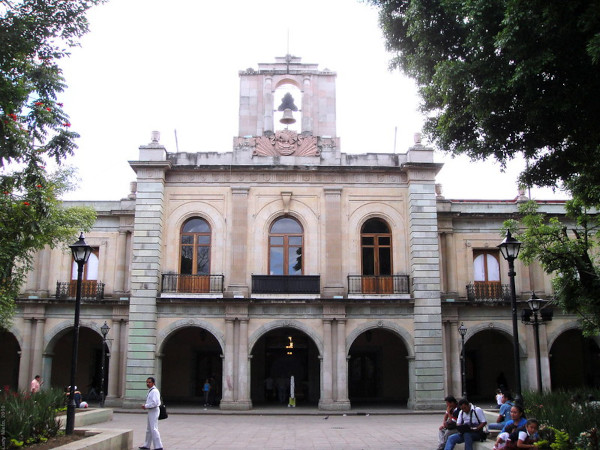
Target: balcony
x: 90, y: 290
x: 378, y: 284
x: 488, y: 291
x: 192, y: 284
x: 286, y: 284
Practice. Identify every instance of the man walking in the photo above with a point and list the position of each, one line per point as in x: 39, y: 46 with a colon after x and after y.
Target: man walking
x: 152, y: 403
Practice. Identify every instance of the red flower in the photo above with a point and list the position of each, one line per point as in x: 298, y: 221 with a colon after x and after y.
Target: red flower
x: 13, y: 117
x: 67, y: 124
x: 38, y: 185
x: 39, y: 104
x: 6, y: 192
x: 48, y: 109
x: 26, y: 203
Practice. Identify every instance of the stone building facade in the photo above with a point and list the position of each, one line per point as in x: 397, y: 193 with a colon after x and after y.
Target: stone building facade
x: 284, y: 257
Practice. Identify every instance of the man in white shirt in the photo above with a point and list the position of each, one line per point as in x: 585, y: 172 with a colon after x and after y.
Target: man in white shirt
x: 152, y: 403
x: 470, y: 423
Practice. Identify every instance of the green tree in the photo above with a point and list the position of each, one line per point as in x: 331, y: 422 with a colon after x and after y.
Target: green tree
x: 499, y: 78
x: 34, y: 129
x: 568, y: 249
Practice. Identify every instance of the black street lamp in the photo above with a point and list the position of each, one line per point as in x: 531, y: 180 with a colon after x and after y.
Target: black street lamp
x: 462, y: 330
x: 510, y: 250
x: 537, y: 305
x: 104, y: 329
x: 81, y: 254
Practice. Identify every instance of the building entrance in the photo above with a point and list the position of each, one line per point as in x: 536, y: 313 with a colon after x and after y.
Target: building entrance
x: 192, y: 356
x: 277, y: 356
x: 574, y: 361
x: 378, y: 369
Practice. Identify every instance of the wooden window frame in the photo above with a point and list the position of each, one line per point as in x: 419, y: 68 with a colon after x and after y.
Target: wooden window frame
x: 286, y: 246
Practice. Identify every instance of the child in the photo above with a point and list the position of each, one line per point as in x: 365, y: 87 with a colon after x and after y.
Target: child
x: 528, y: 437
x: 499, y: 397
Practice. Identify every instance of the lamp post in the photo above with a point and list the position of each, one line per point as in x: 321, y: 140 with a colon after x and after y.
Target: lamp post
x: 536, y: 305
x: 104, y: 329
x: 462, y: 330
x: 81, y: 253
x: 510, y: 250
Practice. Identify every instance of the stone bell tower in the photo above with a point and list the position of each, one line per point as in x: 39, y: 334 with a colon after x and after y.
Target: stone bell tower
x: 257, y: 102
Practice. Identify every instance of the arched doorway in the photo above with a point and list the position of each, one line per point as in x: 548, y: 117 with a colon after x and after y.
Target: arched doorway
x: 191, y: 355
x: 10, y: 357
x: 89, y: 363
x: 378, y: 369
x: 489, y: 364
x: 574, y: 361
x: 276, y: 356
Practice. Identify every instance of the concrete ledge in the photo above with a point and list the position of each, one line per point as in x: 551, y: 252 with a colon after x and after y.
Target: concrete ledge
x: 85, y: 418
x: 98, y: 439
x: 478, y: 445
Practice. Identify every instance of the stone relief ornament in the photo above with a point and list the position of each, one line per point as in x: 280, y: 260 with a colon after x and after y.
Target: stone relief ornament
x: 286, y: 143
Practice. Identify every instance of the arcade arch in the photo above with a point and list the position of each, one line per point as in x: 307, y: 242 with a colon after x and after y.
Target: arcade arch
x: 10, y: 351
x: 190, y: 354
x: 574, y: 361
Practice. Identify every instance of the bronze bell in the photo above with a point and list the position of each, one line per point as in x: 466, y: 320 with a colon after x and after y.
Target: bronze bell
x: 288, y: 117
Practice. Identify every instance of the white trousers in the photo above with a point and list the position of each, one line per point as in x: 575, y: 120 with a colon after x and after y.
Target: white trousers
x: 152, y: 434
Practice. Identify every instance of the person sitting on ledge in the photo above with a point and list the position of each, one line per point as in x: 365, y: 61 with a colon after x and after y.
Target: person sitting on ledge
x: 504, y: 414
x: 470, y: 424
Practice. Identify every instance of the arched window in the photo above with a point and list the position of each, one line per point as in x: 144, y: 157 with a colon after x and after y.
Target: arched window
x: 195, y: 247
x: 285, y: 247
x: 486, y: 266
x: 376, y: 248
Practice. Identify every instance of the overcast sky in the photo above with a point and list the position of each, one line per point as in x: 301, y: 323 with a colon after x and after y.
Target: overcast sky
x: 155, y: 65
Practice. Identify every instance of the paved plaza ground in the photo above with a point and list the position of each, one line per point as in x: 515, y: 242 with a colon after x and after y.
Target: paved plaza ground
x: 280, y: 429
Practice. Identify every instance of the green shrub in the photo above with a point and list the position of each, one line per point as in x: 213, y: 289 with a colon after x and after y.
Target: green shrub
x: 31, y: 418
x: 570, y: 424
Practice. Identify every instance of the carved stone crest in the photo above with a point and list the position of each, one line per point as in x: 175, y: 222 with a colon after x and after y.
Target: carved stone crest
x: 286, y: 143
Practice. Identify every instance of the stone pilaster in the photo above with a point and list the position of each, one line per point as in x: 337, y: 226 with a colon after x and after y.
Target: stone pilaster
x: 333, y: 283
x: 425, y: 276
x: 145, y: 270
x: 326, y: 400
x: 238, y: 286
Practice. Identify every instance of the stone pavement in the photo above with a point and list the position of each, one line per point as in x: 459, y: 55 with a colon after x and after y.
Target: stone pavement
x: 277, y: 428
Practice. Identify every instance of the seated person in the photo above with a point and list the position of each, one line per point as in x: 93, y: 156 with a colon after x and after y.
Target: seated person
x: 470, y: 424
x: 448, y: 426
x: 76, y: 395
x: 528, y: 437
x: 509, y: 435
x: 504, y: 414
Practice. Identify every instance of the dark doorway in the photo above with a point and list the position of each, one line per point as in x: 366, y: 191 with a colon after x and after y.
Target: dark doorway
x: 378, y: 369
x: 574, y: 361
x: 9, y: 355
x: 277, y: 356
x: 89, y: 359
x: 192, y: 355
x: 486, y: 370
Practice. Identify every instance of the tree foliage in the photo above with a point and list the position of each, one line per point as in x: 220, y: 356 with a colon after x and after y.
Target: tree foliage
x: 504, y: 77
x: 34, y: 129
x: 569, y: 249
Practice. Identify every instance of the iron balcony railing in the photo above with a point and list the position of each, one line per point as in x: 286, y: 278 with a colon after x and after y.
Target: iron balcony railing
x: 378, y: 284
x: 488, y: 291
x: 286, y: 284
x: 192, y: 284
x: 89, y: 290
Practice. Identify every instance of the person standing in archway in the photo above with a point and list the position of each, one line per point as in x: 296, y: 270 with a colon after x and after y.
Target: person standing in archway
x: 152, y: 403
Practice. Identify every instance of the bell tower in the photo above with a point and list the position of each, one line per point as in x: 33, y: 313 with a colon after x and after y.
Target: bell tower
x: 258, y: 104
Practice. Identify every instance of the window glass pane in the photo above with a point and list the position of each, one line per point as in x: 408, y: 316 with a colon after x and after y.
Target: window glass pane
x: 384, y: 240
x: 187, y: 239
x: 186, y: 260
x: 295, y: 240
x: 203, y: 260
x: 368, y: 240
x: 276, y: 240
x: 276, y: 261
x: 479, y: 268
x: 295, y: 261
x: 493, y: 268
x: 196, y: 225
x: 375, y: 226
x: 368, y: 261
x: 385, y: 261
x: 203, y: 239
x: 92, y: 268
x: 286, y: 225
